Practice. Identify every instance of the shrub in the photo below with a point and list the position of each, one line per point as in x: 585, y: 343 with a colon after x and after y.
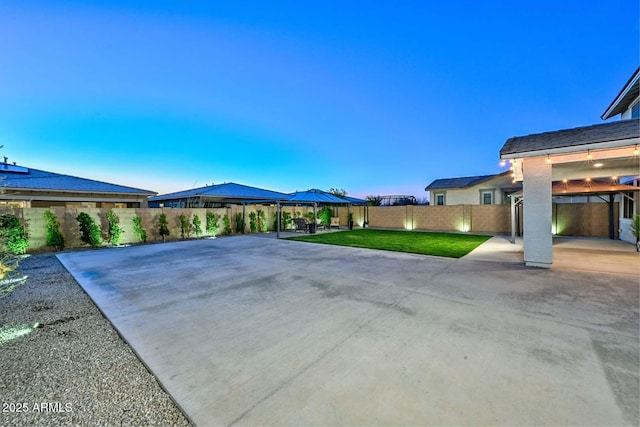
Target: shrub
x: 18, y: 242
x: 14, y: 234
x: 197, y: 225
x: 212, y: 223
x: 163, y: 226
x: 239, y: 223
x: 54, y: 235
x: 185, y: 227
x: 89, y: 230
x: 226, y: 224
x: 262, y: 221
x: 287, y: 221
x: 325, y: 215
x: 115, y: 231
x: 138, y: 229
x: 253, y: 222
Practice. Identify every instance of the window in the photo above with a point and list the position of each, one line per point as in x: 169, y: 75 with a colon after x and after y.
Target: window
x: 440, y: 199
x: 506, y: 196
x: 628, y: 202
x: 486, y: 197
x: 635, y: 111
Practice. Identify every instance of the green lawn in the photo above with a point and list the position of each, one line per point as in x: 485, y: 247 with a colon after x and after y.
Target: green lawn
x: 438, y: 244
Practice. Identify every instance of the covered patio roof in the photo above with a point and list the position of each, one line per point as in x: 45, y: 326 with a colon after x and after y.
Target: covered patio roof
x: 585, y: 188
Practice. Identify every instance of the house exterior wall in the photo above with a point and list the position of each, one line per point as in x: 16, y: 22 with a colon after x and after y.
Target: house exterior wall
x: 43, y: 199
x: 473, y: 195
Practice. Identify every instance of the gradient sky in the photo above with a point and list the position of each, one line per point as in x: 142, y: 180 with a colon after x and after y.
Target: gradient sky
x: 377, y: 97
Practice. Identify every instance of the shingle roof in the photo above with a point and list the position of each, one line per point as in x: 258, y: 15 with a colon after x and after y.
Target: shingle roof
x: 19, y: 177
x: 605, y: 132
x: 229, y: 190
x: 461, y: 182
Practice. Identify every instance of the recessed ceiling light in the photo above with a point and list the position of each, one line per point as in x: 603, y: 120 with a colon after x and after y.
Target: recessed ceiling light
x: 598, y: 165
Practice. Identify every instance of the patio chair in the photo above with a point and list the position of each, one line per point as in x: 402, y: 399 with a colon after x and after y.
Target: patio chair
x: 301, y: 224
x: 319, y: 224
x: 335, y: 222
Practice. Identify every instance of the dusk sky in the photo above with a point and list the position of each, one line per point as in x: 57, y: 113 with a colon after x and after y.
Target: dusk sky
x: 377, y: 97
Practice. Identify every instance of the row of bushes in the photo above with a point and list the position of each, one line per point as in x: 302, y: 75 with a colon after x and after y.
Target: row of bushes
x: 93, y: 235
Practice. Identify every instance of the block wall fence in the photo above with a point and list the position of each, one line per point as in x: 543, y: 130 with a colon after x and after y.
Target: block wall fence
x: 578, y: 219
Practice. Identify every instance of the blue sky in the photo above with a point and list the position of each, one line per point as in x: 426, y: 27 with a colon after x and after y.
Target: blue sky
x: 373, y: 97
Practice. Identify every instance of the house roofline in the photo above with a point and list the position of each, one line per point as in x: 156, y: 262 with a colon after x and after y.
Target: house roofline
x: 612, y: 109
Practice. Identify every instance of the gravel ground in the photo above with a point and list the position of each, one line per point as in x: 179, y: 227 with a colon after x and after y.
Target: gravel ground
x: 73, y: 368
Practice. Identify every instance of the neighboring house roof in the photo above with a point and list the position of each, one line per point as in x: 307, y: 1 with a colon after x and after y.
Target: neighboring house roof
x: 14, y: 177
x: 605, y: 132
x: 629, y: 93
x: 229, y: 190
x: 461, y: 182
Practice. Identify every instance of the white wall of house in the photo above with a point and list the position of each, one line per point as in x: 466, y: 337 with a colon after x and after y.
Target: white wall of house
x: 475, y: 194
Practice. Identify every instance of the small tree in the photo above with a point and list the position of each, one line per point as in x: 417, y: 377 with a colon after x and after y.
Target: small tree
x: 253, y: 222
x: 55, y: 237
x: 163, y: 226
x: 115, y: 231
x: 239, y: 223
x: 138, y: 229
x: 262, y: 221
x: 197, y: 225
x: 89, y: 230
x: 212, y: 223
x: 226, y: 224
x: 185, y: 227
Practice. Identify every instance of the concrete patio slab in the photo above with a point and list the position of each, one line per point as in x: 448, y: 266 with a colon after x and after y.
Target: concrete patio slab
x: 254, y: 331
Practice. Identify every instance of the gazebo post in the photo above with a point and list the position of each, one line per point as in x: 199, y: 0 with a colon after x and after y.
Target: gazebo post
x: 278, y: 222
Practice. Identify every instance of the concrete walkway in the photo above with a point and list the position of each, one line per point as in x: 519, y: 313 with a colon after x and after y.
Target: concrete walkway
x: 254, y: 331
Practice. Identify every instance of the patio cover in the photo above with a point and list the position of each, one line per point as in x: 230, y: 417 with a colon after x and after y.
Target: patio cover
x: 577, y: 188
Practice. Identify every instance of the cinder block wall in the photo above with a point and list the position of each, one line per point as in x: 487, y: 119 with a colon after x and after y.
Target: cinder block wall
x: 574, y: 219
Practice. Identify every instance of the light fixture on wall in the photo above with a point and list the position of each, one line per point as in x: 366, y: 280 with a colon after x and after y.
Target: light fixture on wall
x: 502, y: 163
x: 589, y: 156
x: 635, y: 150
x: 548, y: 160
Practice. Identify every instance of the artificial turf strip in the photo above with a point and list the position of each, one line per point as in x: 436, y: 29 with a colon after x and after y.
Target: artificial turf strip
x: 417, y: 242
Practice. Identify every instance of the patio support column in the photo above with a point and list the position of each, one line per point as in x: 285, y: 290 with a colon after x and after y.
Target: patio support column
x: 538, y: 240
x: 278, y: 222
x: 612, y: 231
x: 513, y: 219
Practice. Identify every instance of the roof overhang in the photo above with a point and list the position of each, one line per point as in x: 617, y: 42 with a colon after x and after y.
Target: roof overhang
x: 31, y: 191
x: 586, y: 188
x: 627, y: 95
x: 582, y: 148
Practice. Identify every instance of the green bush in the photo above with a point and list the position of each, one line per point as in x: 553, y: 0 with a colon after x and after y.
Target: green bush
x: 163, y: 226
x: 212, y: 223
x: 18, y: 242
x: 239, y: 223
x: 115, y: 231
x: 138, y: 229
x: 287, y: 221
x: 325, y: 215
x: 54, y: 235
x: 262, y: 221
x: 13, y: 234
x: 253, y: 222
x: 197, y: 225
x: 89, y: 230
x: 226, y: 224
x: 185, y: 227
